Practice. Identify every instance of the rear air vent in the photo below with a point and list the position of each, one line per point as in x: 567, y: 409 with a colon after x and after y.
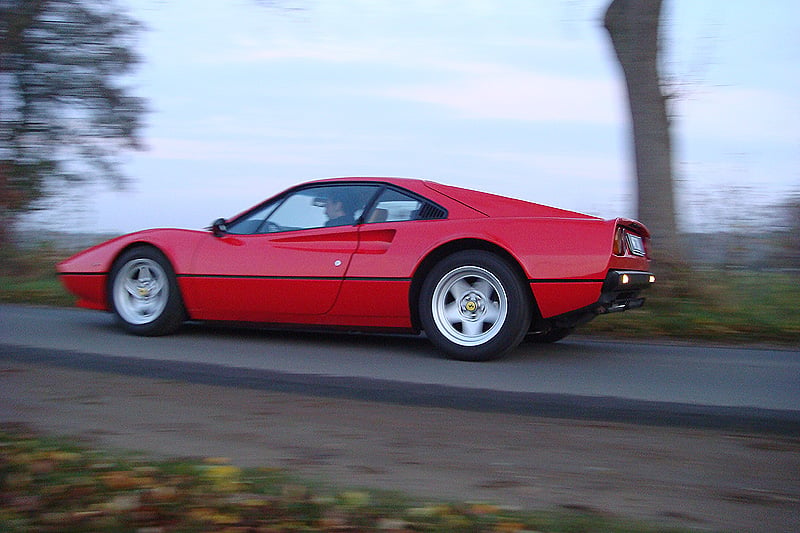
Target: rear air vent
x: 431, y: 212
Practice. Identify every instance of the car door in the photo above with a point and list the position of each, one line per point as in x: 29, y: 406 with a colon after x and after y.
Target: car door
x: 397, y: 230
x: 282, y: 262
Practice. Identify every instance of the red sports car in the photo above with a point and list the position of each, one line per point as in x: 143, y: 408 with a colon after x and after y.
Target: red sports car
x: 475, y: 271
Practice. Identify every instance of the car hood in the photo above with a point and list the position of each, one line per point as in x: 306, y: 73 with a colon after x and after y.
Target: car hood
x: 177, y: 244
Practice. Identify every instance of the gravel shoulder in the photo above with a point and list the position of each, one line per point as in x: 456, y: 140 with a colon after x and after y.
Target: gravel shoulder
x: 704, y: 479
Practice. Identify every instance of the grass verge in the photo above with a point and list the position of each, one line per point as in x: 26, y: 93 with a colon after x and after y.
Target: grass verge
x: 717, y: 306
x: 29, y: 277
x: 49, y: 484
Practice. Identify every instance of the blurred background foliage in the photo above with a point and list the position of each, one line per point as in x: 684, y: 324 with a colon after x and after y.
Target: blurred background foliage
x: 68, y: 112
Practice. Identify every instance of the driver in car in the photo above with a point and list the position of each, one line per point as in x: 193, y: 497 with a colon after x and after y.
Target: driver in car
x: 337, y: 211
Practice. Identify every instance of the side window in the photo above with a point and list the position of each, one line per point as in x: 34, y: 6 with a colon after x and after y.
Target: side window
x: 396, y: 206
x: 251, y: 222
x: 299, y: 211
x: 333, y: 205
x: 319, y: 207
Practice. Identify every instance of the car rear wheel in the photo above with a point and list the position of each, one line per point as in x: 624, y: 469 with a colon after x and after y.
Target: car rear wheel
x: 474, y: 307
x: 144, y: 293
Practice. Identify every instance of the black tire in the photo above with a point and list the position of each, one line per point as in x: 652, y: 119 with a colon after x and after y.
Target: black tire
x: 143, y: 293
x: 553, y: 335
x: 474, y: 306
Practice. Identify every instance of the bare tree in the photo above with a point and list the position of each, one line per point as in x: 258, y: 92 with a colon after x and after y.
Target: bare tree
x: 66, y: 110
x: 790, y: 232
x: 633, y: 26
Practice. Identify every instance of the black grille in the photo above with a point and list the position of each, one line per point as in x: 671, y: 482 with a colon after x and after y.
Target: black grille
x: 431, y: 212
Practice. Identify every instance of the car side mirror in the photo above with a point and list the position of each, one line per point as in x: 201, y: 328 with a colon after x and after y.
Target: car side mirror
x: 219, y: 227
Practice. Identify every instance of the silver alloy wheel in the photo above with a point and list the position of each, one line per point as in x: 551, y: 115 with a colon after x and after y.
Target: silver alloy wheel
x: 141, y: 291
x: 470, y: 306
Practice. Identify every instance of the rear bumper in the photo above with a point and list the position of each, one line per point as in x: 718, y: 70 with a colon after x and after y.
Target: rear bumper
x: 621, y: 290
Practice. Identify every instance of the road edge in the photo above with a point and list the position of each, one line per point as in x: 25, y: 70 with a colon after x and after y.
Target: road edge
x: 547, y: 405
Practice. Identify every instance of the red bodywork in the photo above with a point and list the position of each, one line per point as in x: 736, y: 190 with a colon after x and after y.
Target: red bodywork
x: 368, y: 275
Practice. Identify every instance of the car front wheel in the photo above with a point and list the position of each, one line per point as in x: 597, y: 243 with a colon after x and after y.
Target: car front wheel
x: 144, y: 293
x: 474, y: 306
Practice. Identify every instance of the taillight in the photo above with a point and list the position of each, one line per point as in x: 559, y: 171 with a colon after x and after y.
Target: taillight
x: 628, y: 243
x: 619, y: 242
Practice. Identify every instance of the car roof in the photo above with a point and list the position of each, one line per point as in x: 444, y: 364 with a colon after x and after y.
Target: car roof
x: 488, y: 204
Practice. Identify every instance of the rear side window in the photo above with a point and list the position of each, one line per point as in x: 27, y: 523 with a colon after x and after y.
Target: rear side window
x: 396, y: 206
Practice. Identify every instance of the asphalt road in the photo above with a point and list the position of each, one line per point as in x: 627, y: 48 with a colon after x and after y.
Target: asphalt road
x: 697, y: 436
x: 662, y: 384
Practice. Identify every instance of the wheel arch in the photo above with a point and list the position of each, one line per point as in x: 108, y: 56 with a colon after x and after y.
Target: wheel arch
x: 140, y: 244
x: 446, y: 249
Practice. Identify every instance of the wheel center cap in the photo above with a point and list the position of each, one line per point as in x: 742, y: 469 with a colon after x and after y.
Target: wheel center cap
x: 471, y: 306
x: 144, y: 292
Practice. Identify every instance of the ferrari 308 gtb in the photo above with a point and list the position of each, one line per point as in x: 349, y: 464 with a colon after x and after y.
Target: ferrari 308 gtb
x: 475, y: 272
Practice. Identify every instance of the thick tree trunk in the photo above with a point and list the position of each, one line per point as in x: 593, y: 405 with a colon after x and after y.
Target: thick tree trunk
x: 633, y: 26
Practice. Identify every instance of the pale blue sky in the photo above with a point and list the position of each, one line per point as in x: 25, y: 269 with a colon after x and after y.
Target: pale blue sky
x: 517, y: 97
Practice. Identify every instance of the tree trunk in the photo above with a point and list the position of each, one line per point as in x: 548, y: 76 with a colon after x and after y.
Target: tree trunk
x: 633, y: 26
